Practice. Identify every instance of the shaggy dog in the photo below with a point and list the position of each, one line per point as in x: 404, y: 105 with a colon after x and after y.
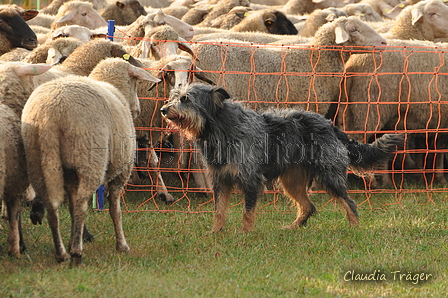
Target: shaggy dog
x: 244, y: 149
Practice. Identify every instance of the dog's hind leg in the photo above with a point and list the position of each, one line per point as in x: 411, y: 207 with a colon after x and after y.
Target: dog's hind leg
x: 350, y: 209
x: 295, y: 182
x: 222, y: 201
x: 348, y: 204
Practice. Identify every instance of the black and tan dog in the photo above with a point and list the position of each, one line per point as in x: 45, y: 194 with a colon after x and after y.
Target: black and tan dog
x: 244, y: 149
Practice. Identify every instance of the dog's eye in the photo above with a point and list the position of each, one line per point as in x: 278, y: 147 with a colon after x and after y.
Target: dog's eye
x: 184, y: 99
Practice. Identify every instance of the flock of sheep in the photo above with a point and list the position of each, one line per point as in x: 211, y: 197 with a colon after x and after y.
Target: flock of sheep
x: 71, y: 109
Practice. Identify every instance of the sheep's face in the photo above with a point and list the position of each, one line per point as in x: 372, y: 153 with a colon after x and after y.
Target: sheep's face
x: 14, y: 28
x: 356, y: 35
x: 433, y: 16
x: 82, y: 14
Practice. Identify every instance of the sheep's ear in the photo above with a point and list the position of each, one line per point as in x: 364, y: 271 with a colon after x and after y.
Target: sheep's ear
x: 395, y: 11
x: 146, y: 48
x: 31, y: 69
x: 341, y: 35
x: 69, y: 16
x: 141, y: 74
x: 416, y: 14
x: 120, y: 4
x: 219, y: 95
x: 29, y: 14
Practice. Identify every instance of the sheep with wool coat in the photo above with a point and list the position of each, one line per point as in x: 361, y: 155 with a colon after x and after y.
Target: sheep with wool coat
x: 78, y: 134
x: 173, y: 70
x: 78, y: 13
x: 409, y: 81
x: 123, y: 12
x: 268, y: 21
x: 13, y: 177
x: 53, y: 7
x: 223, y: 7
x: 304, y: 75
x: 426, y: 20
x: 18, y: 81
x: 317, y: 18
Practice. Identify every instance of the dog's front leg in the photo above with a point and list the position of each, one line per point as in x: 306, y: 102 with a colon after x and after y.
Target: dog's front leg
x: 251, y: 193
x: 222, y: 194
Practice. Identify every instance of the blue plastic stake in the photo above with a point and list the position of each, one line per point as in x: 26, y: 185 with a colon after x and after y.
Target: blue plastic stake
x: 100, y: 197
x: 110, y: 29
x: 100, y: 191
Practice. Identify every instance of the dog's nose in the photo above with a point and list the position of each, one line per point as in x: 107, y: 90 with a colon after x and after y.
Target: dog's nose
x: 164, y: 110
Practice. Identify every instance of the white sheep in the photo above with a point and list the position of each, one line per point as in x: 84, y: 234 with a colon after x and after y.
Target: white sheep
x: 53, y: 7
x: 78, y: 134
x: 18, y: 81
x: 405, y: 92
x: 160, y: 42
x: 78, y: 13
x: 304, y: 75
x: 364, y: 11
x: 426, y: 20
x: 173, y: 70
x: 13, y: 177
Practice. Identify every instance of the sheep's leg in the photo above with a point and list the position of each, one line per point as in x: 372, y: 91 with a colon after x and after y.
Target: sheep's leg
x: 15, y: 237
x: 162, y: 192
x: 78, y: 211
x: 115, y: 189
x: 202, y: 179
x: 53, y: 221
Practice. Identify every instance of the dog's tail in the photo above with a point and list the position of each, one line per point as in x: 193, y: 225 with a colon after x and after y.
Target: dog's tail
x: 365, y: 156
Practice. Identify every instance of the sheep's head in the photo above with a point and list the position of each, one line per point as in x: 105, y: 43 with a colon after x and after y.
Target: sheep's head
x: 432, y: 16
x: 354, y: 34
x: 14, y: 27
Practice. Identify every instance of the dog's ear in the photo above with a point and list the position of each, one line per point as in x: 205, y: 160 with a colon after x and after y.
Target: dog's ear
x: 219, y: 95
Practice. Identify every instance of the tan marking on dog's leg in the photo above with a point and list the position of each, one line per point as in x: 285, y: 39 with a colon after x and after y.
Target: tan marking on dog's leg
x: 221, y: 206
x: 248, y: 220
x: 351, y: 216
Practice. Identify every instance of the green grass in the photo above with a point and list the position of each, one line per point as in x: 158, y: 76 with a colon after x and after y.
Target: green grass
x: 173, y: 256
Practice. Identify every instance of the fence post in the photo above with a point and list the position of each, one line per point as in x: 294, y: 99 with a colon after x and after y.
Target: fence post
x: 98, y: 196
x: 110, y: 29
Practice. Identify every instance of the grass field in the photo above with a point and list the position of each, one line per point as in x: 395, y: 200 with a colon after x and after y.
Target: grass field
x: 173, y: 256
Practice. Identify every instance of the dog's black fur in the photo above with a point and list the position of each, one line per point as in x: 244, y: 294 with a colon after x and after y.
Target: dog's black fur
x: 244, y: 148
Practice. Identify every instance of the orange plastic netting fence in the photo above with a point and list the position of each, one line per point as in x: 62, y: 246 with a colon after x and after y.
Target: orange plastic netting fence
x: 396, y: 90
